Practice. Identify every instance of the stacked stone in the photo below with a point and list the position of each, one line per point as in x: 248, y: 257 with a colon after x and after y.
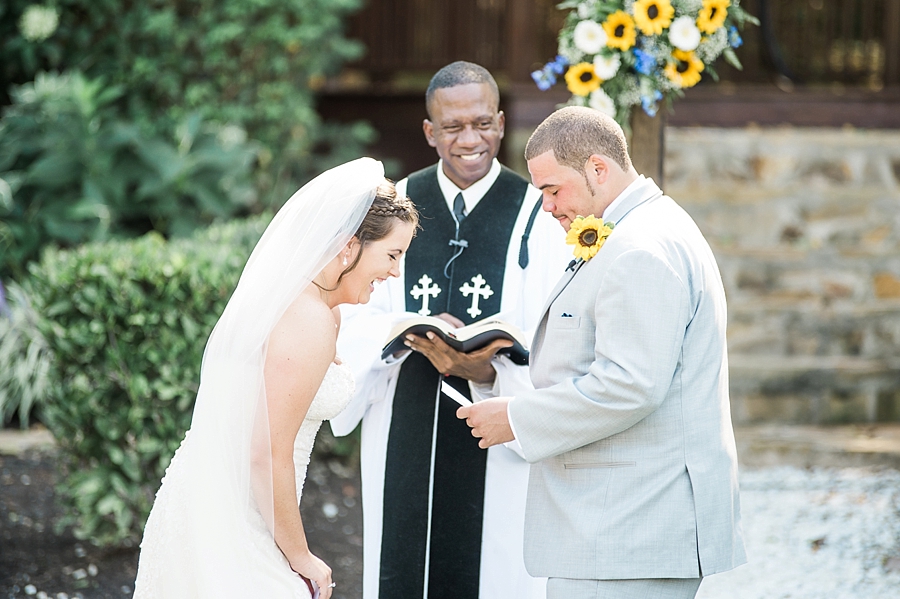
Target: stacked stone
x: 805, y: 225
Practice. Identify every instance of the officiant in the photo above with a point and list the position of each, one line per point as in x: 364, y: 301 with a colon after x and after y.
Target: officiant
x: 442, y: 518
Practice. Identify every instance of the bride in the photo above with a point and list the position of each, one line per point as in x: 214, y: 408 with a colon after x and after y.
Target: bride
x: 226, y: 521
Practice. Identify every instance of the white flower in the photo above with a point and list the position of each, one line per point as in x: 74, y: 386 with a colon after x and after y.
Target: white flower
x: 231, y: 136
x: 600, y: 100
x: 712, y: 46
x: 589, y: 37
x: 683, y: 34
x: 38, y: 22
x: 572, y: 54
x: 586, y: 9
x: 687, y: 7
x: 606, y: 67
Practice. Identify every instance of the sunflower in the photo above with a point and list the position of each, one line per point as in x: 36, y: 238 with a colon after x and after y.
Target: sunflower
x: 581, y: 79
x: 588, y: 234
x: 619, y: 28
x: 652, y: 16
x: 712, y: 15
x: 685, y: 69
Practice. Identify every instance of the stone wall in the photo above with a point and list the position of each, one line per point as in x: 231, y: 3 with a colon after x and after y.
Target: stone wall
x: 805, y: 224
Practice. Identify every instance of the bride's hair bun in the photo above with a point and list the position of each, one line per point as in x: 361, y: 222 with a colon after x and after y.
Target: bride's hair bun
x: 378, y: 222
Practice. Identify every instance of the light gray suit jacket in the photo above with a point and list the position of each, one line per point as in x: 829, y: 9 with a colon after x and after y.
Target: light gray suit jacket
x: 634, y: 468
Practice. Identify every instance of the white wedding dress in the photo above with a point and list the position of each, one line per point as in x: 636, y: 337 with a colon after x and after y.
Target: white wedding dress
x: 170, y: 565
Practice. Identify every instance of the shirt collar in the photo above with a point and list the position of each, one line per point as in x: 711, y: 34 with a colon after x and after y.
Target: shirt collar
x: 473, y: 193
x: 633, y: 187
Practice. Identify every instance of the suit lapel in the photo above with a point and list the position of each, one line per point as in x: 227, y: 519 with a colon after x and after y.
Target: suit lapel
x: 642, y: 191
x: 563, y: 281
x: 567, y: 277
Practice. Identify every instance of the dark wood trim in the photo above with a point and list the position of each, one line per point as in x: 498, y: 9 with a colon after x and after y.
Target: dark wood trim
x: 727, y: 105
x: 647, y: 144
x: 521, y: 33
x: 892, y: 43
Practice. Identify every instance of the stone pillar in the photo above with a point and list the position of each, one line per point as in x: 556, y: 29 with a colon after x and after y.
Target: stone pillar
x: 648, y: 143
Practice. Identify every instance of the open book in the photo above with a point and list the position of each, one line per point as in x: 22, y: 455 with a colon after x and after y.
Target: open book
x: 465, y: 339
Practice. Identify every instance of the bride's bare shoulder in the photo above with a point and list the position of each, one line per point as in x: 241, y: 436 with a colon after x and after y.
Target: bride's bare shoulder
x: 307, y: 324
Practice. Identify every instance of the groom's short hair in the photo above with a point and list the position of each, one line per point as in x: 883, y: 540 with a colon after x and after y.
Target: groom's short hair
x: 575, y: 133
x: 460, y: 73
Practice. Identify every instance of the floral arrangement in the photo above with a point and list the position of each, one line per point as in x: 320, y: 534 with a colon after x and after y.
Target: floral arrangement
x: 588, y: 234
x: 617, y: 54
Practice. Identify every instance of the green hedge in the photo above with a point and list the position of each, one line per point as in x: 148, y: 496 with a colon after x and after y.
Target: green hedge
x: 72, y: 171
x: 25, y: 359
x: 252, y: 63
x: 127, y: 322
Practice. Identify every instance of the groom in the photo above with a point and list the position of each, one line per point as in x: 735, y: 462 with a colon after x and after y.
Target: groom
x: 633, y: 489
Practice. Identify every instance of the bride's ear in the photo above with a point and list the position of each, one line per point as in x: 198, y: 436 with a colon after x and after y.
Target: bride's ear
x: 351, y: 250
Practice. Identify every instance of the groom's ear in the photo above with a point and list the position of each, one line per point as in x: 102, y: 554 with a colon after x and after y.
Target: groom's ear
x: 597, y: 168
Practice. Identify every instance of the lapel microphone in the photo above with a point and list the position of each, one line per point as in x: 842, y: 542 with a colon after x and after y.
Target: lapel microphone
x: 571, y: 265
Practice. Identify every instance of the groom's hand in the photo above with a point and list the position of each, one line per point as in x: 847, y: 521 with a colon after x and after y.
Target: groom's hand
x: 489, y: 421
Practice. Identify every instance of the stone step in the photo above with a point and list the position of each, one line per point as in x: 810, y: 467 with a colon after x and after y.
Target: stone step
x: 838, y: 307
x: 818, y: 446
x: 812, y: 327
x: 813, y: 389
x: 778, y: 157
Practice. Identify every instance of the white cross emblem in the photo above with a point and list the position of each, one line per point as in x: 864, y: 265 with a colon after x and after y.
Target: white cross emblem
x: 426, y: 292
x: 477, y: 292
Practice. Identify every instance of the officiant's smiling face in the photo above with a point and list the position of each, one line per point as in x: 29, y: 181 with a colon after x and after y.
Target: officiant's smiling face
x: 465, y: 127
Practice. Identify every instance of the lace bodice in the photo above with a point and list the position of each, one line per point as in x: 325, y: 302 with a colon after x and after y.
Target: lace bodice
x: 332, y: 397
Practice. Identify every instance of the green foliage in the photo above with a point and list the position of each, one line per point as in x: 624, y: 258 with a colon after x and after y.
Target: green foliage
x: 127, y: 322
x: 71, y: 171
x: 253, y: 63
x: 25, y: 359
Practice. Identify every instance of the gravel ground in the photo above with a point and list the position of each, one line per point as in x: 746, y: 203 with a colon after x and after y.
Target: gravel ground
x: 811, y: 534
x: 816, y: 534
x: 38, y: 562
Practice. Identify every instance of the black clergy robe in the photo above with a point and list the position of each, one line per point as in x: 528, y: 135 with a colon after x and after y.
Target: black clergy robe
x: 475, y: 516
x: 434, y: 479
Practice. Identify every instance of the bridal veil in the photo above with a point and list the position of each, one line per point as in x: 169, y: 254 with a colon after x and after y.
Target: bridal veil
x: 224, y: 465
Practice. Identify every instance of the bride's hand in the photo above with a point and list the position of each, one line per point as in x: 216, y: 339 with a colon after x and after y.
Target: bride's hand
x: 312, y: 568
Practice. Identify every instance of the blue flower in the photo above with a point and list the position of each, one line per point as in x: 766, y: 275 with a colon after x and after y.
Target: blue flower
x: 558, y: 65
x: 734, y: 38
x: 645, y: 62
x: 543, y: 78
x: 649, y: 102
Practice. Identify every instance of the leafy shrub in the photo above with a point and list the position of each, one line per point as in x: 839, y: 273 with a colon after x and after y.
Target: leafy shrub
x: 254, y: 63
x: 127, y: 322
x: 72, y: 171
x: 25, y: 359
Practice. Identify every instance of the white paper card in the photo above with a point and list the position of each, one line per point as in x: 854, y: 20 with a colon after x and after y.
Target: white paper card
x: 454, y: 394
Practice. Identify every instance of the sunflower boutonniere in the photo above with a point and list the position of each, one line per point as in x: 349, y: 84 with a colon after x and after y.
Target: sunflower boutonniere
x: 588, y: 234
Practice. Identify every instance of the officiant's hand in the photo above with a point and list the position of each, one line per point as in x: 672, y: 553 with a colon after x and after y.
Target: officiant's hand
x: 449, y: 319
x: 474, y: 366
x: 489, y: 421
